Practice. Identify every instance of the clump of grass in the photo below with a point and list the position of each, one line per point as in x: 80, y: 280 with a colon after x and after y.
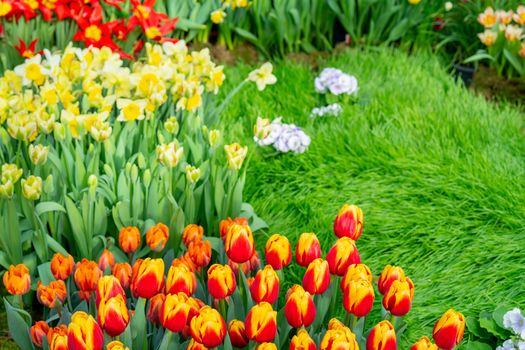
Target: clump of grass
x: 439, y: 173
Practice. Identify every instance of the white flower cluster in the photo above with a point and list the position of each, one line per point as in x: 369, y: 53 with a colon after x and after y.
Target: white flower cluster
x: 336, y: 82
x: 331, y: 110
x: 283, y: 137
x: 514, y: 321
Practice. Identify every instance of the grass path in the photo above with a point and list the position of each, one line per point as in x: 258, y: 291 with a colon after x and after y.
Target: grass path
x: 439, y: 173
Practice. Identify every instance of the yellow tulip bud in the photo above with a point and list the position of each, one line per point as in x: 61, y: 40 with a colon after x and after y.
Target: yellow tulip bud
x: 172, y: 125
x: 218, y: 16
x: 59, y: 131
x: 32, y: 187
x: 192, y: 174
x: 214, y: 137
x: 7, y: 190
x: 235, y: 155
x: 38, y: 154
x: 11, y: 172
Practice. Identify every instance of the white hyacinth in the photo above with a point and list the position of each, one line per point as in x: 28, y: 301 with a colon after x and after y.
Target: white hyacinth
x: 336, y: 82
x: 331, y: 110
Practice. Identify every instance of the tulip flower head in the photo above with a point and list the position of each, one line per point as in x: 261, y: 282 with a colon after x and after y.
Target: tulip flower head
x: 192, y: 233
x: 382, y: 337
x: 38, y: 332
x: 84, y: 333
x: 302, y: 341
x: 267, y: 346
x: 113, y: 315
x: 62, y: 266
x: 122, y: 271
x: 108, y: 287
x: 155, y: 306
x: 308, y: 249
x: 106, y: 260
x: 200, y: 252
x: 147, y: 277
x: 340, y: 338
x: 356, y: 272
x: 157, y: 237
x: 299, y: 309
x: 265, y: 286
x: 208, y: 327
x: 449, y: 329
x: 261, y: 323
x: 129, y: 239
x: 349, y: 222
x: 316, y: 279
x: 177, y: 311
x: 226, y: 224
x: 398, y: 298
x: 180, y: 280
x: 423, y: 344
x: 278, y: 251
x: 52, y: 295
x: 116, y: 345
x: 388, y: 276
x: 238, y: 243
x: 17, y: 280
x: 57, y: 338
x: 221, y: 281
x: 358, y: 298
x: 237, y: 334
x: 87, y: 274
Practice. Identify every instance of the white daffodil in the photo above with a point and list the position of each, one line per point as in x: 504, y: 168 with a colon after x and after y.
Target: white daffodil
x: 32, y: 71
x: 131, y: 110
x: 263, y: 76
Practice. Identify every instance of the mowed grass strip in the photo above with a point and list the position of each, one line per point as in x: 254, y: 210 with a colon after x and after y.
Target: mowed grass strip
x: 439, y: 173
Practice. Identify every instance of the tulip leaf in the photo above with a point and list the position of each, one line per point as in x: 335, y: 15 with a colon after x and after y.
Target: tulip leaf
x: 227, y: 343
x: 19, y: 322
x: 138, y: 324
x: 46, y: 207
x: 44, y: 272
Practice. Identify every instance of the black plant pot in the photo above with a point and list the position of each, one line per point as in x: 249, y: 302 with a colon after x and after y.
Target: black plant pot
x: 465, y: 73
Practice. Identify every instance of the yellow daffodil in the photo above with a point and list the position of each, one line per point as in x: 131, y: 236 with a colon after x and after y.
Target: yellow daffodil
x: 218, y: 16
x: 131, y: 110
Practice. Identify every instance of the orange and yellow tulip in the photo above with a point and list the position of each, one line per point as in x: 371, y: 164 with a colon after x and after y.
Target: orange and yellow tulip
x: 84, y: 333
x: 108, y: 287
x: 356, y: 272
x: 238, y: 243
x: 106, y: 260
x: 193, y: 345
x: 221, y: 281
x: 17, y: 280
x: 334, y: 323
x: 449, y: 329
x: 113, y: 315
x: 87, y: 275
x: 57, y: 338
x: 267, y: 346
x: 157, y: 237
x: 62, y: 266
x: 340, y: 338
x: 177, y: 311
x: 388, y: 276
x: 358, y: 298
x: 382, y: 337
x: 299, y: 309
x: 200, y: 252
x: 423, y: 344
x: 398, y: 298
x: 342, y: 254
x: 278, y: 251
x: 52, y: 295
x: 261, y: 323
x: 237, y: 333
x: 307, y: 249
x: 122, y: 271
x: 316, y: 279
x: 180, y: 280
x: 349, y: 222
x: 192, y: 233
x: 155, y: 305
x: 265, y: 286
x: 208, y: 327
x: 147, y: 277
x: 302, y: 341
x: 116, y: 345
x: 226, y: 224
x: 129, y: 239
x: 38, y: 332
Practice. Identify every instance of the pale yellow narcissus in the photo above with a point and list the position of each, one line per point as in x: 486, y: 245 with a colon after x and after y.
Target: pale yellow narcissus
x: 32, y: 71
x: 263, y: 76
x: 131, y: 110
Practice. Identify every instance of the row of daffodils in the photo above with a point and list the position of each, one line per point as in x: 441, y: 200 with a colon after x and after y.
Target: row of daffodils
x: 217, y: 293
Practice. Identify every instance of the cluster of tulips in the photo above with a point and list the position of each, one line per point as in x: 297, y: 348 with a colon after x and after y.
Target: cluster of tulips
x: 217, y: 294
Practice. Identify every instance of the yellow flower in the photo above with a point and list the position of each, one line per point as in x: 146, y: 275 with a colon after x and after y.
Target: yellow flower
x: 519, y: 16
x: 488, y: 18
x: 7, y: 190
x: 488, y: 38
x: 32, y: 187
x: 172, y: 125
x: 505, y: 17
x: 214, y: 137
x: 131, y: 110
x: 100, y: 130
x: 513, y: 33
x: 218, y: 16
x: 22, y: 127
x: 522, y: 50
x: 32, y: 71
x: 5, y: 8
x: 414, y: 2
x: 262, y: 128
x: 216, y: 79
x: 169, y: 154
x: 263, y: 76
x: 192, y: 174
x: 11, y: 173
x: 38, y: 154
x: 235, y: 155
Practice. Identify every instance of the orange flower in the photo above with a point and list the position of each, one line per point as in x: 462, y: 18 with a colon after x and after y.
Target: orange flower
x: 382, y: 337
x: 358, y: 297
x: 192, y: 233
x: 265, y: 286
x: 147, y: 277
x: 200, y: 252
x: 237, y: 334
x: 106, y: 260
x: 62, y: 266
x: 193, y: 345
x: 267, y: 346
x: 334, y: 323
x: 184, y: 260
x: 307, y: 249
x: 278, y: 251
x: 157, y: 237
x: 129, y: 239
x: 388, y: 276
x: 356, y: 272
x: 38, y: 331
x: 17, y: 280
x: 155, y: 305
x: 57, y: 338
x: 423, y: 344
x: 177, y: 311
x: 302, y: 341
x: 208, y: 327
x: 52, y: 295
x: 261, y: 323
x: 398, y: 299
x: 449, y: 329
x: 342, y: 254
x: 316, y: 279
x: 87, y: 275
x: 180, y: 280
x: 225, y: 225
x: 116, y: 345
x: 238, y: 243
x: 84, y: 333
x: 299, y: 309
x: 108, y: 287
x: 340, y: 338
x: 113, y: 315
x: 349, y: 222
x: 221, y: 281
x: 122, y: 271
x: 488, y: 18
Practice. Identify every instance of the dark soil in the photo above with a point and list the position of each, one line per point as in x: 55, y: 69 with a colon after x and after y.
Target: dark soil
x: 495, y: 88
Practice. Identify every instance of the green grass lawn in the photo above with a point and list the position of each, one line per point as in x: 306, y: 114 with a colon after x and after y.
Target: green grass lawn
x: 439, y: 174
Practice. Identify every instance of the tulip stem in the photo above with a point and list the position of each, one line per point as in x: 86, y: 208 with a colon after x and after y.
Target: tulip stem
x: 21, y: 301
x: 223, y: 309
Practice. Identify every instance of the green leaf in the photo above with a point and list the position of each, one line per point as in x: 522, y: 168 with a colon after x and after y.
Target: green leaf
x: 487, y: 322
x: 19, y: 322
x: 77, y: 227
x: 44, y: 273
x: 481, y: 55
x: 475, y: 345
x: 498, y: 314
x: 514, y: 61
x: 138, y: 324
x: 474, y: 327
x: 46, y: 207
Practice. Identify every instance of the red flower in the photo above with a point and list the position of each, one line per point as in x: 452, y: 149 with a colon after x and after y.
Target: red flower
x: 27, y: 51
